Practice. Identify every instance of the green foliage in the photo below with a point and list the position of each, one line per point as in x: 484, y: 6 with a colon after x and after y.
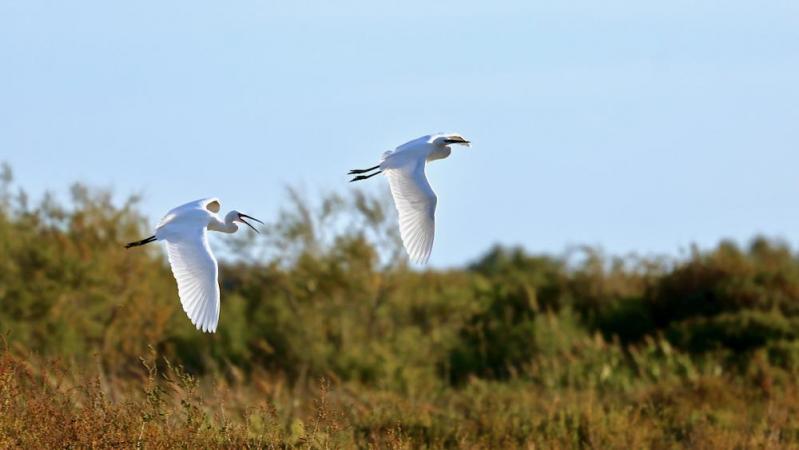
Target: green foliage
x: 327, y: 339
x: 497, y: 342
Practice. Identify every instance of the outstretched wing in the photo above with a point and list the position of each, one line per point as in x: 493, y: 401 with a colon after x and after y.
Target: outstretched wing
x: 211, y: 204
x: 195, y: 270
x: 416, y: 205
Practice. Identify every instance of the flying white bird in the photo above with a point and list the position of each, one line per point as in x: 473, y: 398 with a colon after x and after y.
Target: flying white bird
x: 413, y: 196
x: 183, y: 229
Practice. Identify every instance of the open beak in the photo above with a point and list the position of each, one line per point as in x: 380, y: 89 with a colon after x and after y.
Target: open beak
x: 458, y: 140
x: 243, y: 216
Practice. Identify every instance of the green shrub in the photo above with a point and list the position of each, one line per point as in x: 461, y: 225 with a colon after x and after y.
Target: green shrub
x: 496, y: 342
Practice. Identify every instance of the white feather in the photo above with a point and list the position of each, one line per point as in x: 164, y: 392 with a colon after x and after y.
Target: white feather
x: 413, y: 197
x: 184, y: 231
x: 416, y: 206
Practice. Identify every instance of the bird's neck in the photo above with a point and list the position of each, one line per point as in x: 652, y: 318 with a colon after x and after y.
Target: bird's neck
x: 439, y: 153
x: 228, y: 226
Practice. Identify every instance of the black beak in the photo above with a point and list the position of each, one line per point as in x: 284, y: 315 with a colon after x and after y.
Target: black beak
x: 243, y: 216
x: 457, y: 140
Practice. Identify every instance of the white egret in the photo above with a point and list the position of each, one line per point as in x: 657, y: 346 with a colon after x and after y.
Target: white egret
x: 413, y: 196
x: 183, y: 229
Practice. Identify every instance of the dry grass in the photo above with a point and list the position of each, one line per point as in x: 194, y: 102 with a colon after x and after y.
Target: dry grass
x: 46, y: 405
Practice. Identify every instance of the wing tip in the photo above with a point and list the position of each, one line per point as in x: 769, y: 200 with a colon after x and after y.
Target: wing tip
x: 421, y: 259
x: 196, y: 317
x: 204, y: 327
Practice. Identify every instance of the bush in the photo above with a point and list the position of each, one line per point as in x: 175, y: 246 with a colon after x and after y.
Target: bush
x: 496, y: 342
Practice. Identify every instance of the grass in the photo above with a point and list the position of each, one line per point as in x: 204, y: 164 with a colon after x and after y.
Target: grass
x: 46, y: 404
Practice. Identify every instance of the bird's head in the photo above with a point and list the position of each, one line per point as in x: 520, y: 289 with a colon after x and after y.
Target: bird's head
x: 453, y: 138
x: 236, y: 216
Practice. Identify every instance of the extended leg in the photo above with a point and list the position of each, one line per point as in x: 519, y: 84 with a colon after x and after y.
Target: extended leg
x: 141, y: 242
x: 357, y: 171
x: 363, y: 177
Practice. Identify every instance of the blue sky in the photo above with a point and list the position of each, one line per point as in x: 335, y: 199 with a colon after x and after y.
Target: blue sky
x: 636, y: 126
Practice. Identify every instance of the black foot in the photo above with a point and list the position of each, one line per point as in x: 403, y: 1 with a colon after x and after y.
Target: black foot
x: 357, y: 171
x: 141, y: 242
x: 363, y: 177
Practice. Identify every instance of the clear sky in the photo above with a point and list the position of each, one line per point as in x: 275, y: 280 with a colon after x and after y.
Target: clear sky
x: 636, y: 126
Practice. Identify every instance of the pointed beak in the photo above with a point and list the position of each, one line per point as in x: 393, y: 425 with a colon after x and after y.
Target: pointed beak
x: 245, y: 216
x: 458, y: 140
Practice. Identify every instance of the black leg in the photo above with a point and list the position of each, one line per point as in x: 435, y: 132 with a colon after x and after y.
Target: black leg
x: 363, y: 177
x: 141, y: 242
x: 357, y: 171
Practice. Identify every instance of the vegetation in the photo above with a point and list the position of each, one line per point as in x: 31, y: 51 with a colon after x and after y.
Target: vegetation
x: 328, y: 340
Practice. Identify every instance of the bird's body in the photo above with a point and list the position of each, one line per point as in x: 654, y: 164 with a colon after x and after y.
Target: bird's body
x: 421, y: 149
x: 184, y: 232
x: 413, y: 197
